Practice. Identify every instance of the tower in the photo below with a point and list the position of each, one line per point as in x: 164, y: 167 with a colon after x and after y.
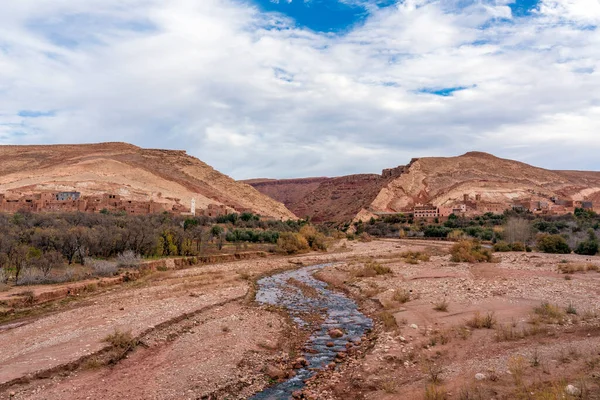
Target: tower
x: 193, y: 208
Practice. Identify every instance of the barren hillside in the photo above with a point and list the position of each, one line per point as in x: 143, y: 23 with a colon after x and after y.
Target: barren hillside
x: 437, y: 180
x: 324, y: 199
x: 165, y: 176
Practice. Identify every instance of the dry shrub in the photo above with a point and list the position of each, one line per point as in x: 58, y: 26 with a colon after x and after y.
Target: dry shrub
x: 128, y: 259
x: 413, y: 257
x: 509, y: 332
x: 479, y: 322
x: 101, y: 267
x: 516, y: 367
x: 441, y: 305
x: 365, y: 237
x: 292, y: 243
x: 432, y: 370
x: 371, y: 269
x: 470, y: 251
x: 549, y: 312
x: 37, y: 277
x: 314, y: 238
x: 401, y: 296
x: 568, y: 268
x: 121, y: 340
x: 388, y: 320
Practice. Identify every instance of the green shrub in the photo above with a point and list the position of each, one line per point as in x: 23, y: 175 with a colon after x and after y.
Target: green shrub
x: 502, y: 246
x: 553, y: 244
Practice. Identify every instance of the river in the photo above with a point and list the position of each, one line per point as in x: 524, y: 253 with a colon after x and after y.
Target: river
x: 336, y: 310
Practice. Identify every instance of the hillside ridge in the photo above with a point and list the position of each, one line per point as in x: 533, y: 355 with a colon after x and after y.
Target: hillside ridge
x: 439, y: 181
x: 170, y: 177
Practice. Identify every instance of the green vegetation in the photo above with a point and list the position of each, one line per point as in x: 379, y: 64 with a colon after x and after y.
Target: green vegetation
x: 552, y: 244
x: 52, y: 248
x: 509, y: 231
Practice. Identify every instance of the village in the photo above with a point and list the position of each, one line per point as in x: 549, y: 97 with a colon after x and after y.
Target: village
x: 477, y: 206
x: 75, y: 202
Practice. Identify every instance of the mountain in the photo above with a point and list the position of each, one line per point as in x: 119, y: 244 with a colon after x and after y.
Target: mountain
x: 442, y: 181
x: 164, y: 176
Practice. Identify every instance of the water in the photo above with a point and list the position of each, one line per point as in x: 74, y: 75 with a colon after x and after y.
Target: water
x: 337, y: 310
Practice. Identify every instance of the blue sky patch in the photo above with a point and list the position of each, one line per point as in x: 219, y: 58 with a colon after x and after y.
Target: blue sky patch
x: 36, y: 114
x: 322, y: 15
x: 523, y: 8
x: 444, y: 92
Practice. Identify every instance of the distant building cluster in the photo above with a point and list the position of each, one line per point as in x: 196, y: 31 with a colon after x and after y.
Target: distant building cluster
x: 74, y: 202
x: 477, y: 206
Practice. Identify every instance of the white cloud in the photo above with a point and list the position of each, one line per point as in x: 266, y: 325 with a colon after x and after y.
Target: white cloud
x: 253, y: 95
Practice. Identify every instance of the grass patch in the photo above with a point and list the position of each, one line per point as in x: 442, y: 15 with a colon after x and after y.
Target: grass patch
x: 414, y: 257
x: 371, y: 269
x: 509, y: 332
x: 548, y: 313
x: 569, y: 268
x: 487, y: 321
x: 435, y: 392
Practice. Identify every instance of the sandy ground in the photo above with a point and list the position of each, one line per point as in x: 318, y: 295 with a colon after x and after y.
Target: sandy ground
x: 202, y: 336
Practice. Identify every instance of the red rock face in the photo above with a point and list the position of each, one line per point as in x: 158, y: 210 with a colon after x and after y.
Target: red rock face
x: 324, y: 199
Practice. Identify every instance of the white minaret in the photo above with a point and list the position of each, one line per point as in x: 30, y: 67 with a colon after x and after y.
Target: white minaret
x: 193, y: 208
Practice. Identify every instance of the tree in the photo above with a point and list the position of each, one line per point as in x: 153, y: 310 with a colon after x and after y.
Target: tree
x: 588, y: 247
x: 19, y: 257
x: 517, y: 230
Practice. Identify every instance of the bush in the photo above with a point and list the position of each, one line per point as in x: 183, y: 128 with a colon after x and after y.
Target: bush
x: 502, y: 246
x: 36, y: 277
x: 413, y: 257
x: 101, y: 267
x: 470, y: 251
x: 587, y: 248
x: 128, y: 259
x: 552, y: 244
x: 372, y: 269
x: 292, y: 243
x: 517, y: 246
x: 315, y: 239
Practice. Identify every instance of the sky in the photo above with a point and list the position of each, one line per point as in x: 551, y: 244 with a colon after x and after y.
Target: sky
x: 297, y: 88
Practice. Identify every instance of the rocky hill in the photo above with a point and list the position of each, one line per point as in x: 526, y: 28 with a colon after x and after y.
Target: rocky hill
x: 442, y: 181
x: 165, y: 176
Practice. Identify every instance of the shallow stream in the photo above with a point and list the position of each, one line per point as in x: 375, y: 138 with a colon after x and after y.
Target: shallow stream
x: 337, y: 311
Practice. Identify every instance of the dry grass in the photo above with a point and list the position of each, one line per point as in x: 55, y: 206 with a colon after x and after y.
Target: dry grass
x: 487, y: 321
x: 371, y: 269
x: 568, y: 268
x: 516, y: 367
x: 547, y: 313
x: 509, y: 332
x: 414, y: 257
x: 435, y: 392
